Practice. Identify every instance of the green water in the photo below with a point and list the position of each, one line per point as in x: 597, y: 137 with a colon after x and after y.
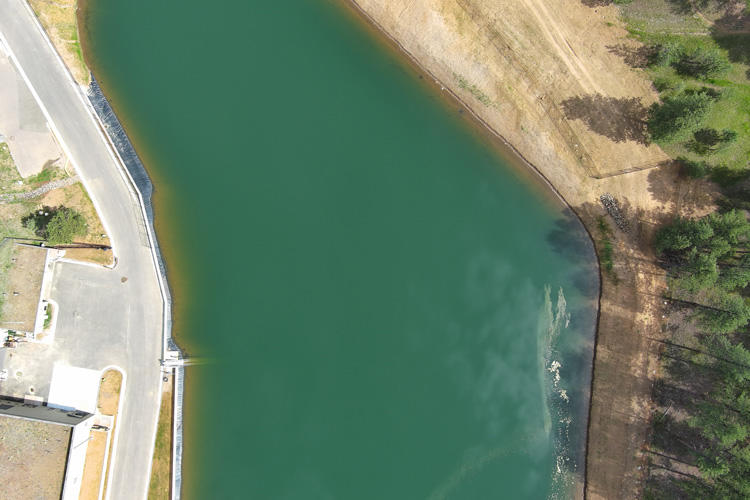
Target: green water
x: 378, y: 291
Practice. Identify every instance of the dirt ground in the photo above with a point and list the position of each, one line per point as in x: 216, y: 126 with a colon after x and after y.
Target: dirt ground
x: 559, y: 82
x: 33, y: 459
x: 109, y: 399
x: 109, y: 392
x: 59, y: 20
x: 24, y: 284
x: 92, y: 469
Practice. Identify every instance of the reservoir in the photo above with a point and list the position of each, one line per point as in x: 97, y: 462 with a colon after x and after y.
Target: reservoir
x: 389, y: 309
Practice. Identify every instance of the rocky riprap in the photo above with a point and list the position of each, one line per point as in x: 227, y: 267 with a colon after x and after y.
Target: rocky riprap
x: 45, y: 188
x: 614, y: 211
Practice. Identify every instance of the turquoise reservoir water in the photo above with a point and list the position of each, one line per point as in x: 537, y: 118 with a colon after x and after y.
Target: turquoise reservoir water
x: 387, y: 305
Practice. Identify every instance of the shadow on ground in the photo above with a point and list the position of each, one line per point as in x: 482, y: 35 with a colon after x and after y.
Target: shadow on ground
x: 633, y: 56
x: 619, y: 120
x: 694, y: 195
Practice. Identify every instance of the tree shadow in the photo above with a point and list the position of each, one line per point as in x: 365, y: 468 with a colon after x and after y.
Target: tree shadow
x: 596, y: 3
x: 737, y: 45
x: 696, y: 197
x: 686, y: 6
x: 635, y: 57
x: 619, y: 120
x: 665, y: 486
x: 38, y: 220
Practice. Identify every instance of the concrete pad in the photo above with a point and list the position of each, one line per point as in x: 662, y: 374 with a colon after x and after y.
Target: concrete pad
x: 74, y: 388
x: 23, y: 125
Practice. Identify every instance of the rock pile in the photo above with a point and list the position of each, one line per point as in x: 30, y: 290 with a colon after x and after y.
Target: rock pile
x: 613, y: 209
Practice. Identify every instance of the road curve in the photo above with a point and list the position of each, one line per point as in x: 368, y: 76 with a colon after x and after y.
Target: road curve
x: 134, y: 319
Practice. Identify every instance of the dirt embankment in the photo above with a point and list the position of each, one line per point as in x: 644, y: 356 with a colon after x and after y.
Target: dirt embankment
x: 559, y: 81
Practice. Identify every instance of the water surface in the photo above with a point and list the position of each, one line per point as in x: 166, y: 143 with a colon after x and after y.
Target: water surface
x: 388, y: 305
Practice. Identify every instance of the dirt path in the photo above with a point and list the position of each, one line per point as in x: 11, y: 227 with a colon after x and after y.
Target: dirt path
x: 566, y: 52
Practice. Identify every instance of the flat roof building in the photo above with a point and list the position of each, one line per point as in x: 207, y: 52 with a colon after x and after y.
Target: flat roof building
x: 43, y: 450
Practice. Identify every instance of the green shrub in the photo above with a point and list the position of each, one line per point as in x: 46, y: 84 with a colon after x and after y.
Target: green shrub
x: 709, y: 140
x: 65, y: 225
x: 678, y: 115
x: 667, y: 54
x: 694, y: 169
x: 701, y: 63
x: 727, y: 177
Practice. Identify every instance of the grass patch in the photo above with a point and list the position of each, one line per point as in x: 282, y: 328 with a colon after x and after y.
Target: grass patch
x: 162, y: 465
x: 660, y: 23
x: 474, y: 90
x: 9, y: 177
x: 606, y: 250
x: 47, y: 174
x: 48, y: 316
x: 6, y: 250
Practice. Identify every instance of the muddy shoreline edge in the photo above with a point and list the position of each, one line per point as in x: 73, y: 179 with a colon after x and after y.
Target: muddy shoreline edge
x: 516, y: 159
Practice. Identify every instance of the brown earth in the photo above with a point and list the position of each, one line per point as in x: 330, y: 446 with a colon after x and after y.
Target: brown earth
x: 558, y: 82
x: 107, y: 404
x: 92, y: 469
x: 24, y: 284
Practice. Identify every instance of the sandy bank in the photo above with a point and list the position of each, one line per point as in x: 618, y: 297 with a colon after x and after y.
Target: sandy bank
x: 551, y: 79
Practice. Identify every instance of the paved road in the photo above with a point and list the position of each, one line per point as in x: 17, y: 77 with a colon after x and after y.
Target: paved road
x: 120, y: 321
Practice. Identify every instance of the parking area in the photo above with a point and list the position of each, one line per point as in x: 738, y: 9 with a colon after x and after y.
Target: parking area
x: 84, y: 337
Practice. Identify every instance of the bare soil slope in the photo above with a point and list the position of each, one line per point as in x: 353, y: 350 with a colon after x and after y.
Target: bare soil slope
x: 561, y: 82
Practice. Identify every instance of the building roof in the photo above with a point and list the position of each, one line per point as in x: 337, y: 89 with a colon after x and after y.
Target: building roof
x: 74, y: 388
x: 34, y: 456
x: 29, y: 411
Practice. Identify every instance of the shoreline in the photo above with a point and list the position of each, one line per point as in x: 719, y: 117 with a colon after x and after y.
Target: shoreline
x: 516, y: 159
x: 509, y: 152
x: 498, y: 143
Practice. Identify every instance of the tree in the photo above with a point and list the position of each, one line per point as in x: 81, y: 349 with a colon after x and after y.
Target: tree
x: 694, y: 169
x: 667, y: 54
x: 703, y: 254
x: 724, y: 312
x: 709, y: 140
x: 65, y: 225
x: 701, y: 63
x: 678, y: 115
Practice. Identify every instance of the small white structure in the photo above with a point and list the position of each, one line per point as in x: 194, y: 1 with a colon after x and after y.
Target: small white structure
x: 74, y: 388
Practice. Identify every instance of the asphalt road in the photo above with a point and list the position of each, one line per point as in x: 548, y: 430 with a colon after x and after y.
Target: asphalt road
x: 115, y: 323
